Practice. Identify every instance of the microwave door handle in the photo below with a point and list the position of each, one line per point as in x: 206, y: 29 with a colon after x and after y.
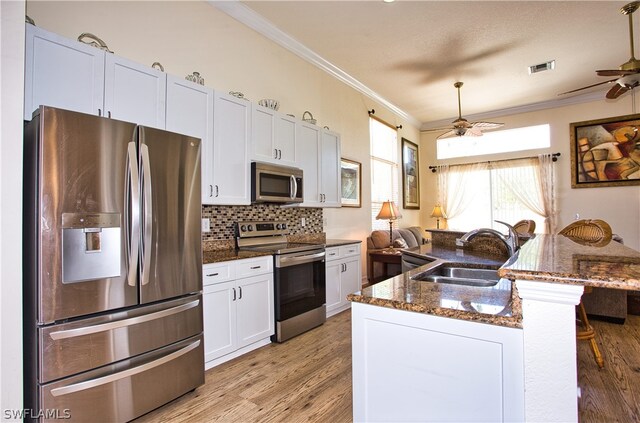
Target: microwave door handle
x: 294, y: 187
x: 133, y: 198
x: 148, y: 213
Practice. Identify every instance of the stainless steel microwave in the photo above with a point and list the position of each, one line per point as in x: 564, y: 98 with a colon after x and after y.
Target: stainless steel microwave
x: 275, y: 184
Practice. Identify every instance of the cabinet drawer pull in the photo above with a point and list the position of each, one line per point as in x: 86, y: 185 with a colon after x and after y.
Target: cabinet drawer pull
x: 213, y: 274
x: 255, y: 267
x: 332, y: 254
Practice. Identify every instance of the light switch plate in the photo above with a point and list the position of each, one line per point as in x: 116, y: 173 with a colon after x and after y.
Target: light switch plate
x: 206, y: 225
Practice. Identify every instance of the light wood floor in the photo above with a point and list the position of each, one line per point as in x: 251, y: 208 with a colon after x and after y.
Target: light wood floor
x: 308, y: 379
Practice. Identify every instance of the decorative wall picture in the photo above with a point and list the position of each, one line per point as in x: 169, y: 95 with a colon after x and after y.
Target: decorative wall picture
x: 410, y: 175
x: 605, y: 152
x: 351, y: 184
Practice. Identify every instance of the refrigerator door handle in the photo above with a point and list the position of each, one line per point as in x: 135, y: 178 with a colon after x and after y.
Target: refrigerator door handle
x: 103, y: 327
x: 92, y: 383
x: 148, y: 213
x: 133, y: 196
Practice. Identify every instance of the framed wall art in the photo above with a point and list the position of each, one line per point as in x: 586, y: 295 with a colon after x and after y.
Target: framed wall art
x: 605, y: 152
x: 410, y: 175
x: 351, y: 183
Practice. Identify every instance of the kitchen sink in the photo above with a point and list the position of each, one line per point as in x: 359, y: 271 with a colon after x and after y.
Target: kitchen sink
x: 460, y: 276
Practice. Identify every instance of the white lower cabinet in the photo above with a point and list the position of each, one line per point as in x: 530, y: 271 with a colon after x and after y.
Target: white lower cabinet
x: 343, y: 276
x: 238, y: 308
x: 410, y: 366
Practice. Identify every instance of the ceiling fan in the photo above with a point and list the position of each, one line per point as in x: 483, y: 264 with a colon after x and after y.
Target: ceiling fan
x: 628, y: 74
x: 461, y: 126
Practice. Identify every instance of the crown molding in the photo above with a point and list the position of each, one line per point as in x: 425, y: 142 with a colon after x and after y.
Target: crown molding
x: 549, y: 104
x: 258, y: 23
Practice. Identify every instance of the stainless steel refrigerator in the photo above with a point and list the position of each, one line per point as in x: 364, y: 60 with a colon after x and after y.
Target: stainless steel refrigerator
x: 112, y: 267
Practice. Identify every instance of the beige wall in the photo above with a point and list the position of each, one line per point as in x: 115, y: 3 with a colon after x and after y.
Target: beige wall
x: 620, y: 206
x: 195, y: 36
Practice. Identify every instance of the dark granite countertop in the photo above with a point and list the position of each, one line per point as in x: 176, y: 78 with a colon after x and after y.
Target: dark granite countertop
x: 217, y: 256
x: 556, y: 258
x: 456, y: 255
x: 497, y: 305
x: 338, y: 242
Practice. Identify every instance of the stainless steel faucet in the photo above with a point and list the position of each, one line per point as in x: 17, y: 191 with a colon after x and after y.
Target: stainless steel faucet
x: 510, y: 241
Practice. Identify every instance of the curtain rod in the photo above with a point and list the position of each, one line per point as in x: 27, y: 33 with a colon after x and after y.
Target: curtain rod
x: 554, y: 157
x: 371, y: 115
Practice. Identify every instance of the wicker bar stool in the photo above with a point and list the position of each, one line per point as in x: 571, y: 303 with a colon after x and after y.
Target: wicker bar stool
x: 594, y: 232
x: 525, y: 226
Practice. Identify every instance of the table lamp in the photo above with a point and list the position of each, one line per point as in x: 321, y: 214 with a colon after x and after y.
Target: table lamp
x: 389, y: 211
x: 437, y: 213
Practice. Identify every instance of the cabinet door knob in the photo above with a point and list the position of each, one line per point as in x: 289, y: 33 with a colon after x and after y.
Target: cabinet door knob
x: 275, y: 153
x: 217, y: 191
x: 210, y: 190
x: 240, y: 289
x: 234, y: 294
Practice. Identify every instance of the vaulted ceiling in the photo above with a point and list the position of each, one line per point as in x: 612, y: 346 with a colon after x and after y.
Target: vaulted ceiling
x: 410, y: 53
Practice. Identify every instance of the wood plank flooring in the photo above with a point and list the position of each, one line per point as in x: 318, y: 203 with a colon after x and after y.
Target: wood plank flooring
x: 308, y: 379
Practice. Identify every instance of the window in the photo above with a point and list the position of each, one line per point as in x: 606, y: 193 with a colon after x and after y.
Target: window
x: 518, y: 139
x: 475, y: 195
x: 384, y: 169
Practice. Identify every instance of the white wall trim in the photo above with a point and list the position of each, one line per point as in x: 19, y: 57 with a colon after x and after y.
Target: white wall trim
x: 258, y: 23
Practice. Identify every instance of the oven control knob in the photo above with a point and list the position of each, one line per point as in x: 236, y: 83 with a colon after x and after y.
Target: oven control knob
x: 243, y: 228
x: 250, y: 228
x: 284, y: 226
x: 278, y: 226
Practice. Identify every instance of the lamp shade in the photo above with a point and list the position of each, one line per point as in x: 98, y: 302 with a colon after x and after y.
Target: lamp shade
x: 389, y: 211
x: 437, y: 211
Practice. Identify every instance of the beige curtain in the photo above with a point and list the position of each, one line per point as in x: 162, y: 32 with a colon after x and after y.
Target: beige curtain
x: 456, y: 187
x: 547, y: 186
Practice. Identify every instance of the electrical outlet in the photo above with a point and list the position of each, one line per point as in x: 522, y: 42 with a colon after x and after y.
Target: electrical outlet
x: 206, y: 225
x: 303, y: 222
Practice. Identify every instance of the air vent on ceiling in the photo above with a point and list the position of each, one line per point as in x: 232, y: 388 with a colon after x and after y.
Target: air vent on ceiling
x: 550, y: 65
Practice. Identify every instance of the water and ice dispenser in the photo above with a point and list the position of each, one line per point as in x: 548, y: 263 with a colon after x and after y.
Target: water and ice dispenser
x: 91, y: 246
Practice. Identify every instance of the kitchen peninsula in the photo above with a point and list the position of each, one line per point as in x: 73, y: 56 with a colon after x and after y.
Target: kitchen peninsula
x: 429, y: 351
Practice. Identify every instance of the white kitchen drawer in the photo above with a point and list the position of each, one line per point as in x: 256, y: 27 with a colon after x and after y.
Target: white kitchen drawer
x: 217, y: 272
x: 332, y: 253
x: 350, y: 250
x: 254, y: 266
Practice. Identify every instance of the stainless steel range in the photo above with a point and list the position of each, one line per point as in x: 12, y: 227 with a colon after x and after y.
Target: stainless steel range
x: 299, y: 276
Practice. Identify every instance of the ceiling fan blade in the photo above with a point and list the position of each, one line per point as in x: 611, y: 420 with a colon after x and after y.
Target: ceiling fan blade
x: 615, y: 72
x: 442, y: 128
x: 486, y: 125
x: 589, y: 86
x: 446, y: 134
x: 473, y: 132
x: 616, y: 91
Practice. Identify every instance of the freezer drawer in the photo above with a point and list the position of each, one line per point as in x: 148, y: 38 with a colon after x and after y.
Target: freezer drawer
x: 123, y: 391
x: 71, y: 348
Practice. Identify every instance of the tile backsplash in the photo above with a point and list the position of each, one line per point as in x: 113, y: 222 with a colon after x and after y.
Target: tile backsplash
x: 223, y: 218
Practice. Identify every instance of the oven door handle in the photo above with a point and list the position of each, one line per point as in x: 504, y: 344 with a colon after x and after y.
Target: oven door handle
x: 292, y: 261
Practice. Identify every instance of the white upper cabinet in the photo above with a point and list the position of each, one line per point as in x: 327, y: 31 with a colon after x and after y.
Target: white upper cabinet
x: 320, y: 162
x: 62, y: 73
x: 72, y: 75
x: 190, y: 112
x: 308, y: 142
x: 330, y: 169
x: 231, y: 131
x: 134, y: 92
x: 273, y: 136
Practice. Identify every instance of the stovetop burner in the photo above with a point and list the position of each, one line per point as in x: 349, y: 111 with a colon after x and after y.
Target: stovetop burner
x: 269, y: 236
